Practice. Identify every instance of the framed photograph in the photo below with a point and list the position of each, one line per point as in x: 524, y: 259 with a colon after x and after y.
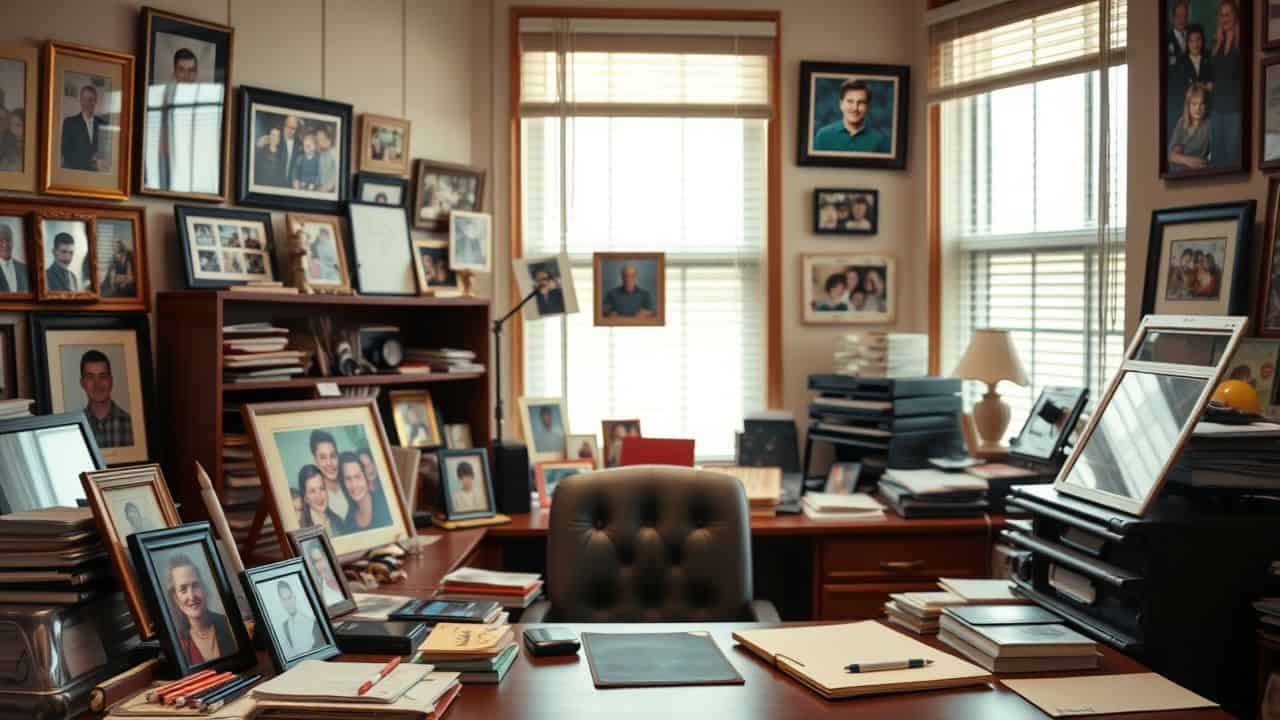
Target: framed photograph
x: 613, y: 431
x: 553, y: 277
x: 544, y: 421
x: 384, y: 144
x: 15, y: 266
x: 380, y: 189
x: 190, y: 600
x: 630, y: 288
x: 547, y: 475
x: 415, y: 418
x: 1195, y: 259
x: 64, y: 242
x: 120, y: 248
x: 1269, y: 113
x: 286, y: 604
x: 846, y: 212
x: 19, y: 120
x: 465, y: 484
x: 431, y: 263
x: 88, y: 113
x: 8, y: 361
x: 127, y: 501
x: 457, y: 436
x: 383, y: 250
x: 325, y: 265
x: 1205, y: 64
x: 1255, y: 363
x: 853, y: 115
x: 582, y: 447
x: 100, y: 364
x: 440, y: 188
x: 1267, y: 322
x: 313, y: 546
x: 48, y: 454
x: 334, y: 454
x: 842, y: 478
x: 222, y: 247
x: 184, y: 140
x: 295, y: 151
x: 848, y: 289
x: 470, y: 240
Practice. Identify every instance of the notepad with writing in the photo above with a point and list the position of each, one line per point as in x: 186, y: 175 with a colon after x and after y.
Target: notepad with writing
x: 816, y: 655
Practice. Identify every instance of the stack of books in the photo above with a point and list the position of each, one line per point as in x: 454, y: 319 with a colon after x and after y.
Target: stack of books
x: 879, y: 354
x: 1230, y: 457
x: 442, y: 360
x: 260, y: 286
x: 259, y: 352
x: 52, y: 556
x: 15, y: 408
x: 1269, y: 618
x: 510, y: 589
x: 241, y: 487
x: 921, y: 612
x: 1016, y: 638
x: 481, y: 654
x: 833, y: 506
x: 933, y: 493
x: 763, y: 486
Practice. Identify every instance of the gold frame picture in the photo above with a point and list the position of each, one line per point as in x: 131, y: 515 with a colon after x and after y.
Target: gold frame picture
x: 39, y: 217
x: 601, y: 265
x: 24, y: 180
x: 294, y: 223
x: 370, y: 122
x: 407, y: 436
x: 100, y: 67
x: 435, y: 250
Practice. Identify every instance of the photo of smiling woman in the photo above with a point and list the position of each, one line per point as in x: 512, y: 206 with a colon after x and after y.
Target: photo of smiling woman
x: 202, y: 631
x: 365, y: 509
x: 315, y: 502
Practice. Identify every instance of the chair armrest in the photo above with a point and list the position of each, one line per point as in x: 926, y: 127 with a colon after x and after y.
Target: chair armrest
x: 536, y: 612
x: 763, y: 611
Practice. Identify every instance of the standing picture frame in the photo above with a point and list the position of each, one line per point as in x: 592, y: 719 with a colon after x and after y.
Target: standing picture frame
x: 439, y: 188
x: 313, y: 546
x: 222, y: 247
x: 65, y: 249
x: 384, y: 144
x: 19, y: 70
x: 36, y: 479
x: 88, y: 122
x: 431, y: 264
x: 465, y: 484
x: 853, y: 115
x: 547, y: 476
x: 1269, y: 113
x: 583, y: 447
x: 380, y: 189
x: 294, y: 152
x: 1267, y: 322
x: 416, y: 420
x: 286, y: 605
x: 470, y: 241
x: 545, y: 423
x: 325, y: 251
x: 382, y: 249
x: 1196, y: 257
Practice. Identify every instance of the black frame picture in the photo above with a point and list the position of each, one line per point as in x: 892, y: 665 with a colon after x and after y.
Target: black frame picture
x: 313, y: 536
x: 186, y: 215
x: 367, y: 180
x: 816, y: 112
x: 1267, y: 321
x: 437, y: 220
x: 143, y: 547
x: 481, y: 458
x: 271, y: 575
x: 8, y: 361
x: 382, y: 253
x: 1269, y: 113
x: 868, y: 224
x: 1177, y: 77
x: 250, y: 192
x: 205, y: 42
x: 1230, y: 289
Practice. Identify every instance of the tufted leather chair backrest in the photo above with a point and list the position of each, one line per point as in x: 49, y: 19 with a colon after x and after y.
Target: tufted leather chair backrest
x: 649, y: 543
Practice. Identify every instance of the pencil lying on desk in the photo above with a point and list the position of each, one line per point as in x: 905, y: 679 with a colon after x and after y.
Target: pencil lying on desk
x: 196, y: 697
x: 156, y: 694
x: 179, y: 698
x: 226, y: 694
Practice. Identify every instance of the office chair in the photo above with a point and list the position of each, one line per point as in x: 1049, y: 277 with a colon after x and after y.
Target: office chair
x: 649, y: 543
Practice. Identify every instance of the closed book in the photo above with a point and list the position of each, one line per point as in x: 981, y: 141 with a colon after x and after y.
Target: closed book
x: 382, y: 638
x: 1005, y: 615
x: 449, y: 611
x: 464, y: 640
x: 982, y: 591
x: 476, y: 665
x: 1018, y: 664
x: 1021, y: 641
x: 494, y: 675
x: 513, y: 602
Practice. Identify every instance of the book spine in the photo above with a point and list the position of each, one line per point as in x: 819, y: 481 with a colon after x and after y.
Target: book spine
x: 122, y: 686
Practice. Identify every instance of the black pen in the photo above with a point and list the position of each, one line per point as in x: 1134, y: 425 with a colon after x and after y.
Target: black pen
x: 891, y: 665
x: 227, y: 694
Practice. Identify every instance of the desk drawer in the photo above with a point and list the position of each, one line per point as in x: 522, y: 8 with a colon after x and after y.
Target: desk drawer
x: 862, y: 602
x: 903, y: 558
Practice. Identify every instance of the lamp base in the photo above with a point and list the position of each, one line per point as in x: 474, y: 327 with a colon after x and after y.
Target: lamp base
x: 991, y: 418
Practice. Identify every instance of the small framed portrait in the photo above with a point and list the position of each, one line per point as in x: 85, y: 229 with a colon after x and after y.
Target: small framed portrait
x: 1269, y: 111
x: 88, y: 124
x: 380, y: 189
x: 1254, y: 363
x: 846, y: 212
x: 543, y: 421
x: 295, y: 151
x: 313, y: 546
x: 465, y: 484
x: 120, y: 244
x: 325, y: 264
x: 417, y: 424
x: 547, y: 475
x: 8, y: 360
x: 64, y: 242
x: 552, y: 277
x: 334, y: 456
x: 853, y: 115
x: 1205, y: 61
x: 222, y: 247
x: 383, y: 250
x: 457, y: 436
x: 613, y: 431
x: 384, y: 144
x: 190, y: 599
x: 100, y: 364
x: 127, y: 501
x: 1267, y: 322
x: 19, y: 119
x: 286, y: 604
x: 842, y: 478
x: 15, y: 266
x: 583, y: 447
x: 470, y: 240
x: 848, y: 289
x: 431, y: 262
x: 185, y: 97
x: 1196, y: 257
x: 440, y: 188
x: 1271, y: 32
x: 630, y: 288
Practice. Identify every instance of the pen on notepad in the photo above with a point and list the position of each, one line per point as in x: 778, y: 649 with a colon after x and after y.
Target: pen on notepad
x: 386, y: 669
x: 892, y: 665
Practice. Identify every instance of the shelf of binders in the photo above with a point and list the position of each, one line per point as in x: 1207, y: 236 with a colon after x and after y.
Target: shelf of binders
x: 342, y: 381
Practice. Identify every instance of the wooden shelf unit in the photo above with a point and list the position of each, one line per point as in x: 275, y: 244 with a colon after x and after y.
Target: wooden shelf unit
x: 193, y: 397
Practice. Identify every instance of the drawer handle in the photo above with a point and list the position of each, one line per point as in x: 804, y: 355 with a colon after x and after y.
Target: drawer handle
x: 901, y: 564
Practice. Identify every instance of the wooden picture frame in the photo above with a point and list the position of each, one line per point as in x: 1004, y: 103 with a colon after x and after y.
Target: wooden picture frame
x: 181, y: 50
x: 122, y: 280
x: 1267, y: 321
x: 442, y: 281
x: 43, y: 248
x: 470, y: 241
x: 23, y: 177
x: 157, y: 555
x: 547, y: 478
x: 872, y: 300
x: 205, y: 250
x: 457, y: 436
x: 379, y: 127
x: 458, y: 506
x: 265, y: 586
x: 429, y: 435
x: 1269, y: 120
x: 573, y: 445
x: 75, y: 167
x: 380, y: 189
x: 1212, y: 286
x: 823, y: 138
x: 308, y: 224
x: 432, y: 205
x: 136, y: 483
x: 8, y: 360
x: 545, y: 443
x: 651, y: 277
x: 382, y: 250
x: 613, y: 441
x: 829, y: 220
x: 15, y: 231
x: 273, y: 174
x: 305, y: 543
x: 283, y: 434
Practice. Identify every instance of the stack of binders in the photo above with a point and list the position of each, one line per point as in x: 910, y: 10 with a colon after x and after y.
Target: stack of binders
x: 933, y: 493
x: 1016, y: 638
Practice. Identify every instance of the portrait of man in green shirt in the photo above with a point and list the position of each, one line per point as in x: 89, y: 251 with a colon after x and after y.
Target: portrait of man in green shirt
x: 852, y: 133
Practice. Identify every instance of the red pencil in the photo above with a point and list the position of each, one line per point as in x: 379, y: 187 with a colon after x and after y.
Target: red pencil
x: 177, y: 699
x: 368, y: 684
x: 155, y: 693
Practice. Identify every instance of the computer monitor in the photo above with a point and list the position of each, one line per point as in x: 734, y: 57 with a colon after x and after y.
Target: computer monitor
x: 1052, y: 419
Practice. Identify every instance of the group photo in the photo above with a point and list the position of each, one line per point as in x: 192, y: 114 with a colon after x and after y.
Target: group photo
x: 337, y: 484
x: 848, y: 289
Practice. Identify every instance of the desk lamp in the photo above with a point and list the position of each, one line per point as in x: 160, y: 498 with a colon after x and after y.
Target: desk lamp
x: 990, y: 358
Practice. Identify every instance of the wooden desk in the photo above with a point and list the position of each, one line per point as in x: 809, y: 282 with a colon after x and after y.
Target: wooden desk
x: 426, y: 569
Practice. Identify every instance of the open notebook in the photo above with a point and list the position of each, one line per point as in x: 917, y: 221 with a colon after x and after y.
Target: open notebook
x: 817, y: 655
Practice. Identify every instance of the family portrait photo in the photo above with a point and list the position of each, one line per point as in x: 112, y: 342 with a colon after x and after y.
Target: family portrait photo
x: 295, y: 151
x: 630, y: 288
x: 19, y: 118
x: 845, y: 212
x: 313, y: 546
x: 547, y: 477
x: 441, y: 188
x: 464, y: 479
x: 224, y: 247
x: 614, y: 431
x: 1204, y: 70
x: 1195, y: 259
x: 435, y: 277
x: 15, y: 271
x: 69, y: 263
x: 1195, y: 269
x: 116, y: 258
x: 470, y: 240
x: 553, y: 279
x: 384, y: 144
x: 543, y: 422
x: 852, y: 289
x: 415, y: 419
x: 853, y: 115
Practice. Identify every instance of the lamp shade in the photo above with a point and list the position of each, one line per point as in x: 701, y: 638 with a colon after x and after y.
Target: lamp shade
x: 991, y: 357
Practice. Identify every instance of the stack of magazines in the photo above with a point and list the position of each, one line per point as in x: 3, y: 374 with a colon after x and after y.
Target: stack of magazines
x: 510, y: 589
x: 241, y: 487
x: 1231, y: 457
x: 441, y: 360
x: 879, y: 354
x: 259, y: 352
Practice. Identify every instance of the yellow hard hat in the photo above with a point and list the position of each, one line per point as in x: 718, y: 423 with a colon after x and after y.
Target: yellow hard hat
x: 1238, y: 394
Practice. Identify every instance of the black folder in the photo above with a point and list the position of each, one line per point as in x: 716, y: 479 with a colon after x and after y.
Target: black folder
x: 621, y: 660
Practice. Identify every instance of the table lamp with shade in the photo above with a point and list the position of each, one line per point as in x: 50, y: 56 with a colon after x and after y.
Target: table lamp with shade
x: 990, y: 358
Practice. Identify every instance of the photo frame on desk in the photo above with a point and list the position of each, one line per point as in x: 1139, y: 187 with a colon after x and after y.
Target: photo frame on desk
x: 287, y: 607
x: 382, y: 249
x: 313, y: 546
x: 465, y: 484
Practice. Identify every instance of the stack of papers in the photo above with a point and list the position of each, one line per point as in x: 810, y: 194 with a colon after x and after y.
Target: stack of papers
x: 241, y: 486
x: 1016, y: 638
x: 832, y: 506
x: 933, y: 493
x: 879, y: 354
x: 52, y: 556
x: 510, y: 589
x: 259, y: 352
x: 442, y: 360
x: 921, y: 612
x: 1242, y: 457
x: 983, y: 591
x: 763, y: 486
x: 331, y: 690
x: 18, y: 407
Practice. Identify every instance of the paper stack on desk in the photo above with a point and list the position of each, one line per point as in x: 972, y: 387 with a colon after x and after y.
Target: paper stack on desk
x: 1016, y: 638
x: 834, y: 506
x: 933, y: 493
x: 921, y: 612
x: 482, y: 653
x: 52, y: 556
x: 330, y: 690
x: 511, y: 589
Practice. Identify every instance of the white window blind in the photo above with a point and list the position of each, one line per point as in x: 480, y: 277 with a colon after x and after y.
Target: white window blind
x: 624, y: 151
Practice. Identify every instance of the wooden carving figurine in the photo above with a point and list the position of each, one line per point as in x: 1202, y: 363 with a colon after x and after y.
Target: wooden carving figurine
x: 317, y: 270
